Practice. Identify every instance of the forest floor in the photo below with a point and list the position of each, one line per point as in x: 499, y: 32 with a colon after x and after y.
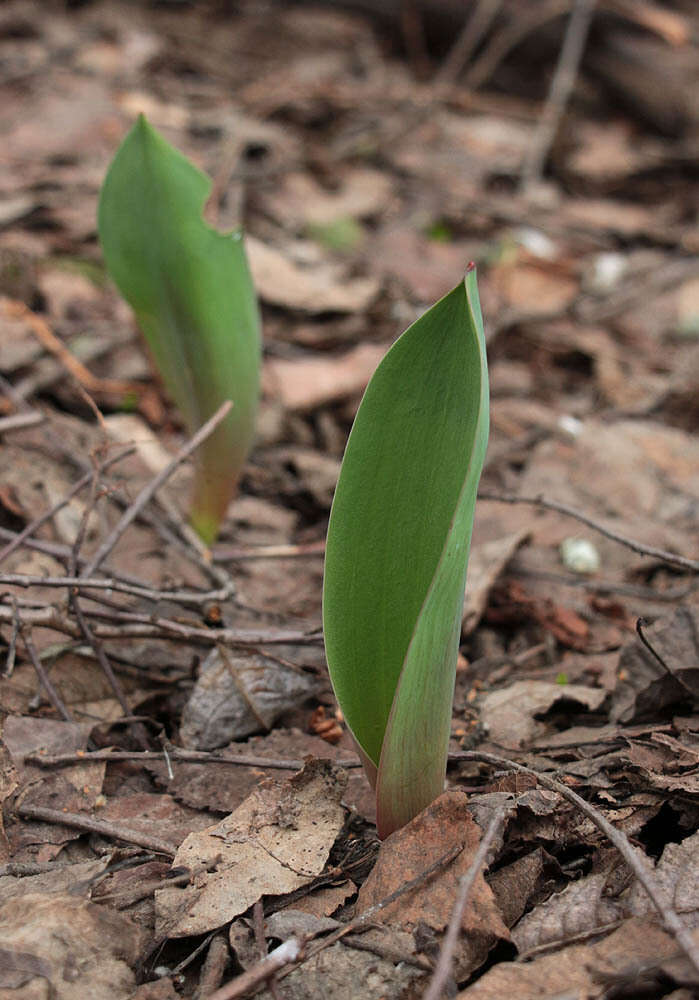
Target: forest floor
x: 179, y: 793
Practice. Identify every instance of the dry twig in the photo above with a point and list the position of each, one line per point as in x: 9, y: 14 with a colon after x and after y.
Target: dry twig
x: 113, y: 831
x: 44, y: 680
x: 129, y: 625
x: 296, y: 952
x: 174, y: 753
x: 630, y: 543
x: 559, y: 92
x: 49, y: 340
x: 191, y: 597
x: 446, y: 954
x: 146, y: 494
x: 18, y: 421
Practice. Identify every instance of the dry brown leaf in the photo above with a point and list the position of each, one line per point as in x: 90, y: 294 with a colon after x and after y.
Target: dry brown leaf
x: 300, y: 200
x: 572, y: 972
x: 343, y: 973
x: 606, y: 150
x: 71, y: 880
x: 510, y: 713
x: 220, y: 788
x: 580, y: 907
x: 9, y: 782
x: 324, y: 902
x: 146, y: 811
x: 239, y: 693
x: 276, y: 841
x: 316, y: 288
x: 534, y: 289
x: 76, y: 949
x: 408, y: 852
x: 514, y: 885
x: 486, y: 563
x: 644, y: 687
x: 306, y: 383
x: 677, y: 873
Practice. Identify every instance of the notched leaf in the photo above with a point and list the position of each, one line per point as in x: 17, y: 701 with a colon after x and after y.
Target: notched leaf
x: 193, y: 297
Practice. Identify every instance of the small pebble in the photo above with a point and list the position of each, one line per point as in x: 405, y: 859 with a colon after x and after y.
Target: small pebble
x: 579, y: 555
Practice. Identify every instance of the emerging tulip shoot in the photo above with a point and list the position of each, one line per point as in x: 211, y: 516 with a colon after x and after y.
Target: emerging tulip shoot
x: 194, y: 300
x: 397, y: 551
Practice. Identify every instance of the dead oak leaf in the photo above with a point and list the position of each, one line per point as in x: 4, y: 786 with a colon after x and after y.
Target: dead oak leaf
x: 445, y: 824
x: 276, y: 841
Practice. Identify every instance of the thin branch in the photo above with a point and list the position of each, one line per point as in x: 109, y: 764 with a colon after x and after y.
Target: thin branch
x: 54, y: 696
x: 511, y: 35
x: 12, y: 645
x: 147, y: 493
x: 241, y: 554
x: 446, y: 955
x: 75, y: 605
x: 48, y: 339
x: 126, y: 625
x: 630, y: 543
x: 368, y: 915
x: 113, y: 831
x: 18, y: 421
x: 174, y: 753
x: 62, y: 552
x: 102, y: 657
x: 258, y: 922
x: 463, y: 48
x: 559, y: 92
x: 636, y: 861
x: 191, y: 597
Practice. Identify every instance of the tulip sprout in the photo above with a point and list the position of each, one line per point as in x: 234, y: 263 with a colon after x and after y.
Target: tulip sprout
x: 397, y: 550
x: 194, y: 300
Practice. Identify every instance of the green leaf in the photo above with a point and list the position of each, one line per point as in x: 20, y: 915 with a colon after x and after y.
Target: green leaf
x: 194, y: 300
x: 397, y: 550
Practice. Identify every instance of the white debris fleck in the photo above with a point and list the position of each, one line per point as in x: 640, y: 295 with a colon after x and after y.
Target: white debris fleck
x: 537, y: 243
x: 579, y: 555
x: 287, y: 952
x: 570, y: 425
x: 608, y: 270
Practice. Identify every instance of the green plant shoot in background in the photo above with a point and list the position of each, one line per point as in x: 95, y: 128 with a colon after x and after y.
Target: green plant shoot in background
x: 194, y: 300
x: 397, y: 550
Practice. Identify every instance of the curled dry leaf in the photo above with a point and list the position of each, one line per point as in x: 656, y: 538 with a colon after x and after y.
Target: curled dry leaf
x: 510, y: 714
x: 238, y: 694
x: 275, y: 842
x: 486, y: 563
x: 408, y: 852
x: 584, y: 905
x: 67, y: 879
x: 299, y: 200
x: 676, y: 873
x: 644, y: 687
